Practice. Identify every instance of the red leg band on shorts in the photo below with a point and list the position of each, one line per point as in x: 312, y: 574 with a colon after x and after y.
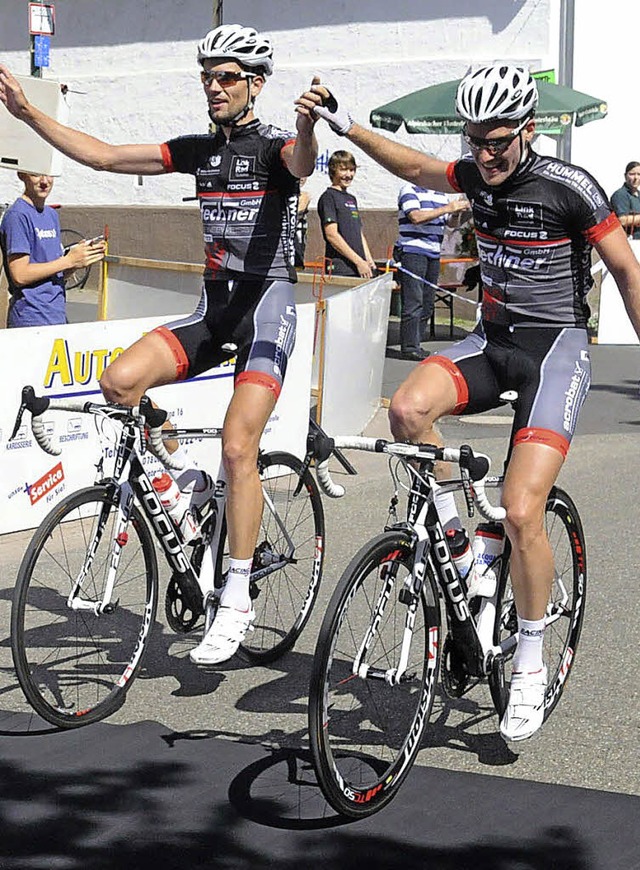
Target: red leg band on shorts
x: 462, y: 389
x: 542, y: 436
x: 261, y: 379
x: 182, y: 363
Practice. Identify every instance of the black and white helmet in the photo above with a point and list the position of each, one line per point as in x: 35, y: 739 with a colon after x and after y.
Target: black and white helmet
x: 497, y: 92
x: 234, y: 42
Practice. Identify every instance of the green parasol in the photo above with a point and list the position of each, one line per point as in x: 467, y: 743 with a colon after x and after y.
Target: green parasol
x: 432, y: 110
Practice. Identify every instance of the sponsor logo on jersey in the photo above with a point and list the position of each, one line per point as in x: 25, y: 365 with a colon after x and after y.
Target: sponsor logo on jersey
x: 215, y: 160
x: 541, y: 235
x: 230, y: 212
x: 242, y: 168
x: 576, y: 179
x: 244, y: 185
x: 487, y: 196
x: 504, y: 256
x: 525, y: 213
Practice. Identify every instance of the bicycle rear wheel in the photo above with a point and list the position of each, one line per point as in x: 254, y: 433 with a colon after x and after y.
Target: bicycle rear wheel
x: 565, y: 611
x: 79, y: 277
x: 76, y: 665
x: 364, y: 731
x: 291, y: 536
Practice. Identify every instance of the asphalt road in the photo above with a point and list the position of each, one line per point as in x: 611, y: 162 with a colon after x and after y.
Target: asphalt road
x: 592, y: 739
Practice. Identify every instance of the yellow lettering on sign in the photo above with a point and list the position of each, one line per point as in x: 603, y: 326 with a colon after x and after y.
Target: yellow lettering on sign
x: 59, y: 364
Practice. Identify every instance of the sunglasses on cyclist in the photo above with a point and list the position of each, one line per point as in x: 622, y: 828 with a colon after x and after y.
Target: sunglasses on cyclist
x: 225, y: 78
x: 496, y: 146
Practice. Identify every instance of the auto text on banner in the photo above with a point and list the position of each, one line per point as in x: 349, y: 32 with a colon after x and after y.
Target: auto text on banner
x: 68, y: 361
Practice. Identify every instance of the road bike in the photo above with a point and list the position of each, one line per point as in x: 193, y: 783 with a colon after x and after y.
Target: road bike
x: 401, y: 619
x: 87, y: 592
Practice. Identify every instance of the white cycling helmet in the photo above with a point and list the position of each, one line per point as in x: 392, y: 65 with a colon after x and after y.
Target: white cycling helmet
x: 497, y: 92
x: 242, y: 44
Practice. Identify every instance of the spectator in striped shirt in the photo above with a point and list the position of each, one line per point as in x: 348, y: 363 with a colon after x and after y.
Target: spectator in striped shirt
x: 422, y: 217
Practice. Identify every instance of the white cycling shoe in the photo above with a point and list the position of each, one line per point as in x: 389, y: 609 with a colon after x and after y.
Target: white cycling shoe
x: 525, y: 710
x: 227, y: 632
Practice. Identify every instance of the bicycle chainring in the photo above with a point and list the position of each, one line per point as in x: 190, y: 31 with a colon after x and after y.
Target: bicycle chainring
x: 455, y: 677
x: 181, y: 616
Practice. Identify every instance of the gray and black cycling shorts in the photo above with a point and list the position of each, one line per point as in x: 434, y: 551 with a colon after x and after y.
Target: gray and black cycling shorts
x: 549, y: 367
x: 251, y: 319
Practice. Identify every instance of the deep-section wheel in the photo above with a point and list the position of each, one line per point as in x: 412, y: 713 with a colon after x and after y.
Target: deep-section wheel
x: 76, y: 653
x: 365, y: 723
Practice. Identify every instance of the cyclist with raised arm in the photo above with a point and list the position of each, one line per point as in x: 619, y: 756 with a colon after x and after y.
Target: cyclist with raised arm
x: 247, y: 184
x: 536, y: 220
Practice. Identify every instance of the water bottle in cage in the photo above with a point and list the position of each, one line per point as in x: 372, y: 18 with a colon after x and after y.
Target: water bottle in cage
x: 488, y: 544
x: 176, y: 506
x: 460, y: 549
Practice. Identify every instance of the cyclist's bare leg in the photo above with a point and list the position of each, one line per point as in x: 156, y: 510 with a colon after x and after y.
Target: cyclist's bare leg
x: 428, y: 393
x: 532, y: 471
x: 247, y: 415
x: 149, y: 362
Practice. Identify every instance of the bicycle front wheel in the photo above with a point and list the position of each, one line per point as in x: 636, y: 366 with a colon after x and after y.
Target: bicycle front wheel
x: 79, y: 277
x: 365, y: 728
x: 77, y: 649
x: 291, y: 539
x: 565, y: 610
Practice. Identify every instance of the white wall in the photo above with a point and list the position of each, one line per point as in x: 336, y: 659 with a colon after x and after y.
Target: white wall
x: 136, y: 64
x: 605, y: 66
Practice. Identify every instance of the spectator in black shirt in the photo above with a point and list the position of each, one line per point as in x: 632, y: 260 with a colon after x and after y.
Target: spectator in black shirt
x: 345, y: 243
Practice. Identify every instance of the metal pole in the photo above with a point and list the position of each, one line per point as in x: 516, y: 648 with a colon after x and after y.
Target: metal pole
x: 565, y: 66
x: 217, y: 13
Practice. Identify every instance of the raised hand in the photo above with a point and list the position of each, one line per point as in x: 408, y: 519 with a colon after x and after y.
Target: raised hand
x: 11, y: 94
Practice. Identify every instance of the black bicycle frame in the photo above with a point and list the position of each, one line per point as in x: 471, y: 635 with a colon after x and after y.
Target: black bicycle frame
x: 435, y: 552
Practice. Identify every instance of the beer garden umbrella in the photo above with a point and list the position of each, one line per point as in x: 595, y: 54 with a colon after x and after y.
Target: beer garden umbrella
x: 432, y: 110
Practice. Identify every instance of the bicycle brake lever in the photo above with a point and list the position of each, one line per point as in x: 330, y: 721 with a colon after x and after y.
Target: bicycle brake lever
x: 30, y: 402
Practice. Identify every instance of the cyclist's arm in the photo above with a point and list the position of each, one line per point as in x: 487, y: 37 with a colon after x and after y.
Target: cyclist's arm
x: 128, y: 159
x: 405, y: 162
x: 620, y: 260
x: 300, y: 156
x: 399, y: 159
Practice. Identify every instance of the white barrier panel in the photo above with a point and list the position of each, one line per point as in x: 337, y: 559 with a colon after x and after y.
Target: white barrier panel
x: 68, y: 361
x: 355, y: 346
x: 614, y: 326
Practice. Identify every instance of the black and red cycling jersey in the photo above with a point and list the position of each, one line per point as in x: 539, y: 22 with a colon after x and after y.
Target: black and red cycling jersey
x: 535, y: 233
x: 247, y: 196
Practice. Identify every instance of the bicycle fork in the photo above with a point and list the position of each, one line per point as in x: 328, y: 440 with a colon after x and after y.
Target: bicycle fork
x: 409, y: 595
x: 105, y: 605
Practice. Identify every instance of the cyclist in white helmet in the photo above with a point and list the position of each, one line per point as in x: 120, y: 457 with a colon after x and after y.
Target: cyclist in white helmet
x: 536, y: 220
x: 247, y: 307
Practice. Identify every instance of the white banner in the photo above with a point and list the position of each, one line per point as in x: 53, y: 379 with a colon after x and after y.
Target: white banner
x: 68, y: 361
x: 354, y: 354
x: 614, y: 326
